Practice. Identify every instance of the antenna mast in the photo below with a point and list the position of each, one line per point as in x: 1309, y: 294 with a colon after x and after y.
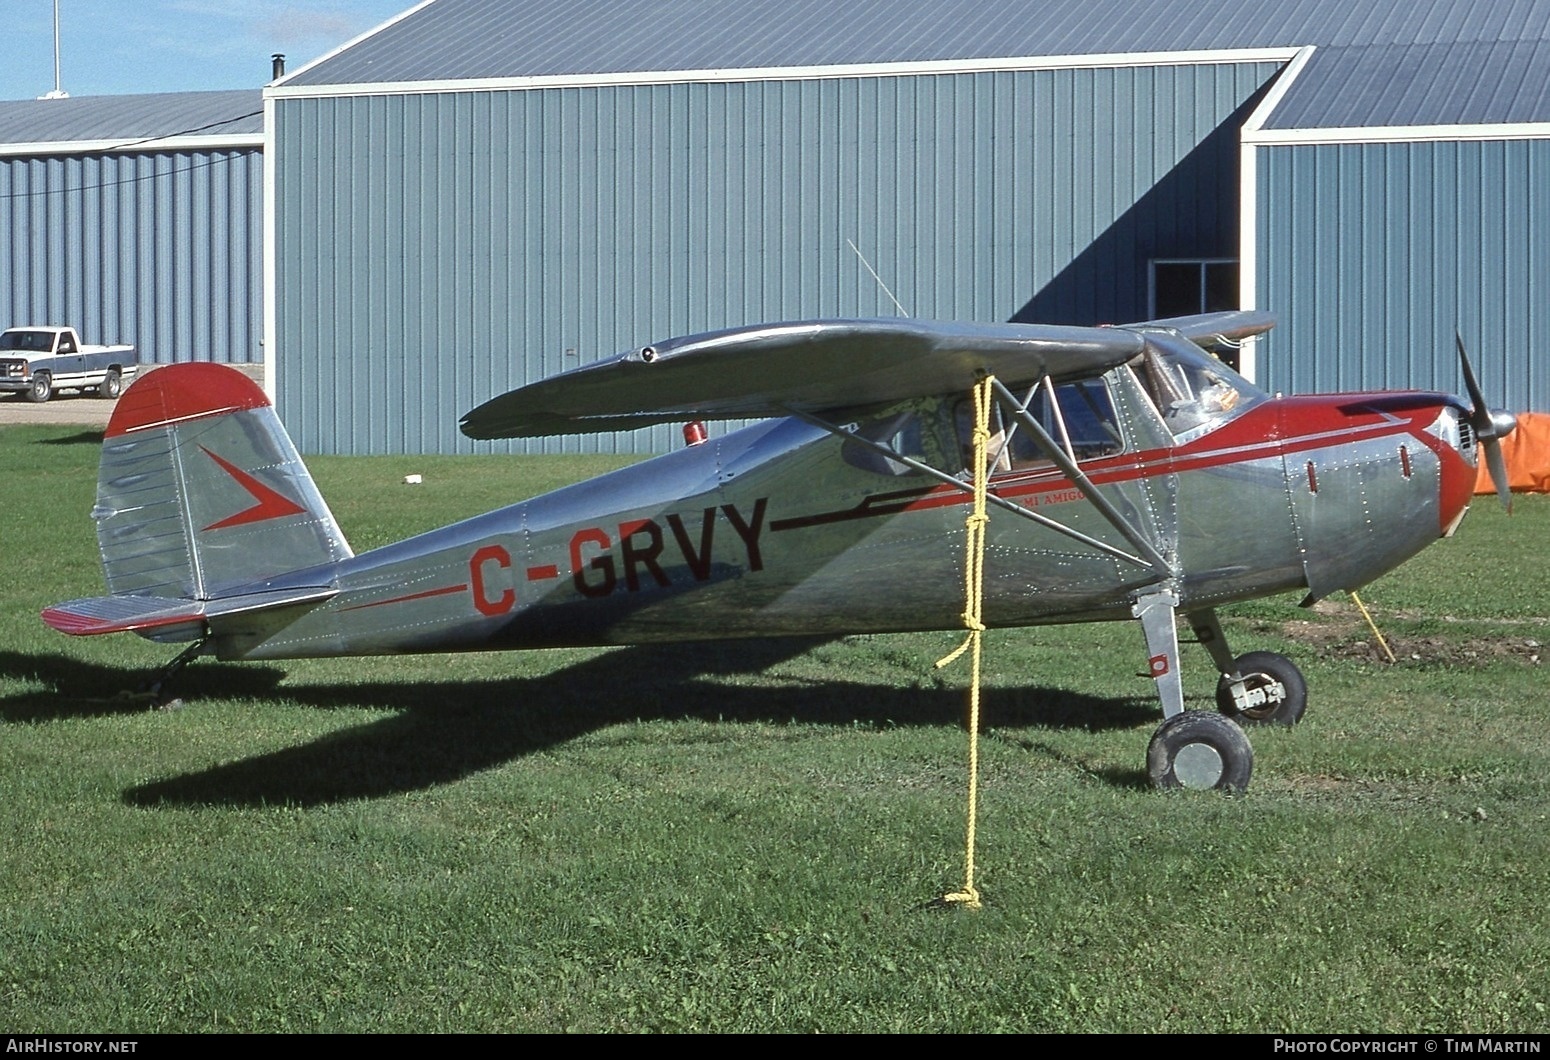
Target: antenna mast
x: 58, y: 92
x: 902, y: 311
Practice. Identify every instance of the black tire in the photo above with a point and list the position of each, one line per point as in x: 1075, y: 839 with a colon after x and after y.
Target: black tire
x: 112, y: 385
x: 1276, y: 685
x: 1200, y: 750
x: 42, y: 388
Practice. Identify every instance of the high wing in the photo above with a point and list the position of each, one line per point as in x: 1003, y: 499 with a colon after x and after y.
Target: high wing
x: 775, y: 369
x: 1228, y: 328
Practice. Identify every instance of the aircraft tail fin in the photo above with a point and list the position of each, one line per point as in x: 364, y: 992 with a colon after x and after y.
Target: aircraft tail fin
x: 201, y: 494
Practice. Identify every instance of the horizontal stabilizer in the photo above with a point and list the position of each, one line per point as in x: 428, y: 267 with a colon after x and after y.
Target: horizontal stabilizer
x: 122, y: 614
x: 164, y: 618
x: 774, y: 369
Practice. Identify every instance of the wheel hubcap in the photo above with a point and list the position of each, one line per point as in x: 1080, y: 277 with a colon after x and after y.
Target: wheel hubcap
x: 1198, y: 766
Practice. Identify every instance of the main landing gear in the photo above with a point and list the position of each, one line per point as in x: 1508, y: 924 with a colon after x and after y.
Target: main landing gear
x: 1199, y: 748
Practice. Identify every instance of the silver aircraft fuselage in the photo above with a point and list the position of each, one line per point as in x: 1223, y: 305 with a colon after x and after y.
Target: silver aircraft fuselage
x: 787, y: 527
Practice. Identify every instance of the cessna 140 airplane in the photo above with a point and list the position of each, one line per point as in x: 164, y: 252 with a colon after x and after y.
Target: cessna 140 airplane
x: 1131, y: 473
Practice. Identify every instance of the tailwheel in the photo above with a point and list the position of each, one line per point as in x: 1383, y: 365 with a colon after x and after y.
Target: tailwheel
x: 1272, y: 690
x: 1200, y: 750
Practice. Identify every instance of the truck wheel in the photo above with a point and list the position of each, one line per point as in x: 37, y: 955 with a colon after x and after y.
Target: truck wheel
x: 111, y: 386
x: 42, y: 387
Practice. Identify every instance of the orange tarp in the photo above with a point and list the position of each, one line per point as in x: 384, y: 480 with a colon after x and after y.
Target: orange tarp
x: 1527, y: 453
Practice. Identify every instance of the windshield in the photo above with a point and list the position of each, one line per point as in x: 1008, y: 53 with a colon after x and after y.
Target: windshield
x: 27, y: 340
x: 1193, y: 390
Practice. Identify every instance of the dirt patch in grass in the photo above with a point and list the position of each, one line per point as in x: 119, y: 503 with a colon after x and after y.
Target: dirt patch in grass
x: 1340, y: 633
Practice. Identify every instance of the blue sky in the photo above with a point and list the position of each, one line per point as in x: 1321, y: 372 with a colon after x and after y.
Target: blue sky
x: 115, y: 47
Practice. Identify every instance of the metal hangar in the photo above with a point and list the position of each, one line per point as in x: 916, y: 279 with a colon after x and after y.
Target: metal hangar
x: 137, y: 219
x: 478, y: 194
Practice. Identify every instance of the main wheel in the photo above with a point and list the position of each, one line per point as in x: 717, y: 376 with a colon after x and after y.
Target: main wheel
x: 112, y: 384
x: 42, y: 387
x: 1200, y: 750
x: 1276, y: 691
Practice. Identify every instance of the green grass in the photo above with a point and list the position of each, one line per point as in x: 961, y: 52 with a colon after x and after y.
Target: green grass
x: 752, y: 836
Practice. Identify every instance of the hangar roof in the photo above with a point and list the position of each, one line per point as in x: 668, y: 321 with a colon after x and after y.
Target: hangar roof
x: 1458, y: 83
x: 135, y: 119
x: 1424, y: 62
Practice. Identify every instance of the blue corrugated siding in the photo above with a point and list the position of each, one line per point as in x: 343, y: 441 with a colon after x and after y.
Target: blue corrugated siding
x: 163, y: 250
x: 1372, y: 255
x: 436, y: 250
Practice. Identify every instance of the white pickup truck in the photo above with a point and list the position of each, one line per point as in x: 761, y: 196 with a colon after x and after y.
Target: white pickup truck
x: 36, y: 361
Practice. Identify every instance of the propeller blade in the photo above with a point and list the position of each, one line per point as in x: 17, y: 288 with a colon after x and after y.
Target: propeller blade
x: 1479, y: 414
x: 1498, y: 467
x: 1489, y: 428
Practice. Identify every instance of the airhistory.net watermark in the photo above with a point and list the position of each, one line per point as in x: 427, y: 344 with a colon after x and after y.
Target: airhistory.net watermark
x: 67, y: 1045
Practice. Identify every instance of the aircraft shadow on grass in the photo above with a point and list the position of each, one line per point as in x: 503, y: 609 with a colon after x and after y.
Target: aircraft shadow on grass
x: 443, y: 731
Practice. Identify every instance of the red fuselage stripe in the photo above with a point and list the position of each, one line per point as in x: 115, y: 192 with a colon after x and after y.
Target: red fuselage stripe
x: 444, y: 591
x: 1257, y: 431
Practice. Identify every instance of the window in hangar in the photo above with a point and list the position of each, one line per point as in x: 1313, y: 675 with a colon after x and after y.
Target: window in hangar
x: 1185, y: 286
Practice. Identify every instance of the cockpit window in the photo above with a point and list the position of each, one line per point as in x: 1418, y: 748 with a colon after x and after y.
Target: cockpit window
x: 1080, y: 420
x: 1193, y: 390
x: 920, y: 430
x: 900, y: 433
x: 939, y: 432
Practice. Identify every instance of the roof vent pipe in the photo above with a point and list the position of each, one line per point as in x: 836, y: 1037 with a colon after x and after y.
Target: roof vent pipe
x: 278, y: 61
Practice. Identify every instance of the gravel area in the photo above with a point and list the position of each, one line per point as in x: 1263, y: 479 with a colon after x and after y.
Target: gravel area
x: 73, y: 407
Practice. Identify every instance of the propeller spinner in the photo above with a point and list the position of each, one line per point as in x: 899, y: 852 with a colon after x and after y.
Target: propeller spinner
x: 1489, y: 427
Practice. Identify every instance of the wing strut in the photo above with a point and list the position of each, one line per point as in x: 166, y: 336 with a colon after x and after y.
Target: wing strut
x: 851, y: 434
x: 1067, y: 465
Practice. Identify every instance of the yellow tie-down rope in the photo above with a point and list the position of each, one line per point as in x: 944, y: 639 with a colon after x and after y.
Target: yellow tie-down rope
x: 974, y: 597
x: 1373, y: 625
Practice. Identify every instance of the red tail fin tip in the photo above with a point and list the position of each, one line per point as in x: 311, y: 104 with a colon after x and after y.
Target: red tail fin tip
x: 182, y: 392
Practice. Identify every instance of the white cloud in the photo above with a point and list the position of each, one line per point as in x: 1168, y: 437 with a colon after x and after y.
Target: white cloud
x: 292, y: 26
